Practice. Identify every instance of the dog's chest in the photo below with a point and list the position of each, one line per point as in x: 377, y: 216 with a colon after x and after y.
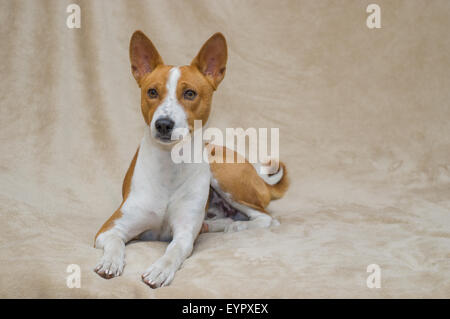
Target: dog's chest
x: 158, y: 182
x: 155, y: 180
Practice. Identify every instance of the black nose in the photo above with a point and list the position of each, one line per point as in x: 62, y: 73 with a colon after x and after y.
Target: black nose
x: 164, y: 126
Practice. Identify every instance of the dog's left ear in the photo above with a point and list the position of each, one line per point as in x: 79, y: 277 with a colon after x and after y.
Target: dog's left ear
x: 212, y: 59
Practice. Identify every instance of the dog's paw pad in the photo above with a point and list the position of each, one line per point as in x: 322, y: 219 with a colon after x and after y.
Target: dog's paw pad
x: 156, y: 276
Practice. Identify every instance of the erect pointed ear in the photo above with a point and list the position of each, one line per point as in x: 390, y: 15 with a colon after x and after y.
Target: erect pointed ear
x: 212, y: 59
x: 143, y: 55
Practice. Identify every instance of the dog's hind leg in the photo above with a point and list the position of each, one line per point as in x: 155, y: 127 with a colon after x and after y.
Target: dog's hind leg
x: 217, y: 225
x: 244, y: 218
x: 257, y: 219
x: 230, y: 216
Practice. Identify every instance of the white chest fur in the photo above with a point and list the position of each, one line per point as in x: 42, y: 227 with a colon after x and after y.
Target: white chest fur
x: 163, y: 194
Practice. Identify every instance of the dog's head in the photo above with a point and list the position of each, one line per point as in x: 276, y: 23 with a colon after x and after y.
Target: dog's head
x: 173, y: 97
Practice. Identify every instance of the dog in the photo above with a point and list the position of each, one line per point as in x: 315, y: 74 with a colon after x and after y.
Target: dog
x: 166, y: 201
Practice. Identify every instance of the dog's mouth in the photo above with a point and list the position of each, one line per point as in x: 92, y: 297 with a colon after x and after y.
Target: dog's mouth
x: 166, y: 140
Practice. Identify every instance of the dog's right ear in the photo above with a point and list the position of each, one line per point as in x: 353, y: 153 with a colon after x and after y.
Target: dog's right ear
x: 143, y: 56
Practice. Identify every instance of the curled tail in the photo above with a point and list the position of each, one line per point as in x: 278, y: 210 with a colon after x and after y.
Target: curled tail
x: 278, y: 182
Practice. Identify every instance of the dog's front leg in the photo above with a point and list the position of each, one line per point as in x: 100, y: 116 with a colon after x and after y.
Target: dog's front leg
x: 161, y: 273
x: 186, y: 212
x: 185, y: 219
x: 113, y: 260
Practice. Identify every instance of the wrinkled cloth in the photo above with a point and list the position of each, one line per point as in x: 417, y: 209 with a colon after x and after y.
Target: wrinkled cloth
x: 364, y: 128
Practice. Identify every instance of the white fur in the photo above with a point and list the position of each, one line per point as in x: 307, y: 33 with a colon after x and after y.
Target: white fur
x: 166, y: 198
x: 269, y: 179
x: 170, y: 107
x: 273, y: 179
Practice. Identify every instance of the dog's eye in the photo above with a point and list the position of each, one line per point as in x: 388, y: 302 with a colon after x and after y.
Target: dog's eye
x: 189, y: 94
x: 152, y: 93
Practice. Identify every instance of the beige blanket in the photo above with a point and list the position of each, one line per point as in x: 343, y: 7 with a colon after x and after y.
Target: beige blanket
x: 364, y: 131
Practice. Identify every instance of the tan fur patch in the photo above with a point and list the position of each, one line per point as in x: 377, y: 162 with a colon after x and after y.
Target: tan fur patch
x: 155, y: 80
x: 241, y: 181
x: 125, y: 192
x: 200, y: 107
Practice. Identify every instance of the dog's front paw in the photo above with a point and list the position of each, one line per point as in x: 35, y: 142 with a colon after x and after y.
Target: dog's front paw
x: 158, y: 275
x: 110, y: 267
x: 236, y: 226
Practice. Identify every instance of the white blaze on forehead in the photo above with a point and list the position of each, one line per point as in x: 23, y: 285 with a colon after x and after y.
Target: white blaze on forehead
x: 172, y: 82
x: 170, y: 107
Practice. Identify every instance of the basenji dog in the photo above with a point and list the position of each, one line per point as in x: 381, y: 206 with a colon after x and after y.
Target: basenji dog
x: 163, y: 200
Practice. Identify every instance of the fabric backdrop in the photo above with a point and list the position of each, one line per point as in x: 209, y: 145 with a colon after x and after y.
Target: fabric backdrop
x: 364, y: 131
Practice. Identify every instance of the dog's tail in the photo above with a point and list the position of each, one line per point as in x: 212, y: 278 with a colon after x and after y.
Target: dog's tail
x: 278, y: 182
